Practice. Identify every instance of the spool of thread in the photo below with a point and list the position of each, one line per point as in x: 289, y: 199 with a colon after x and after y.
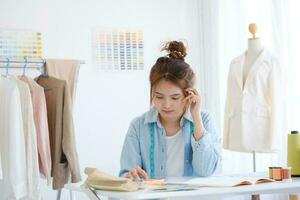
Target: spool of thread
x: 271, y: 172
x: 277, y: 174
x: 294, y: 153
x: 286, y: 174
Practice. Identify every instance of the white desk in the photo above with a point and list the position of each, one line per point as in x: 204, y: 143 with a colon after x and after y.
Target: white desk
x: 201, y: 193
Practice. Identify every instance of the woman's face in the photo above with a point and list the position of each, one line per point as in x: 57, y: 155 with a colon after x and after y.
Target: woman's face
x: 168, y: 100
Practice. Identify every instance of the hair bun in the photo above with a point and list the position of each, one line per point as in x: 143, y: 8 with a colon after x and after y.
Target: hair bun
x: 175, y: 49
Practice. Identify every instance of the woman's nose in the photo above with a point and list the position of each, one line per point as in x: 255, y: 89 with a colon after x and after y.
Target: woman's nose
x: 167, y: 104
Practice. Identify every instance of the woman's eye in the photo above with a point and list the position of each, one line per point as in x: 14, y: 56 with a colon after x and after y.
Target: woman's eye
x: 159, y: 97
x: 175, y: 98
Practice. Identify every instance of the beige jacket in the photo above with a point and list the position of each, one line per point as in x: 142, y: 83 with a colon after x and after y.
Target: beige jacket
x: 61, y: 131
x: 65, y: 70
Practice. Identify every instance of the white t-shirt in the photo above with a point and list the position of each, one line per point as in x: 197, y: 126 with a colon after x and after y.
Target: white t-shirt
x: 175, y: 155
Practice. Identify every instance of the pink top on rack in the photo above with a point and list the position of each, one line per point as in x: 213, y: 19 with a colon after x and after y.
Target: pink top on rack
x: 41, y: 124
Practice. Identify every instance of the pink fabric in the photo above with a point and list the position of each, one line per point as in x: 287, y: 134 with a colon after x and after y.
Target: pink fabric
x: 41, y: 125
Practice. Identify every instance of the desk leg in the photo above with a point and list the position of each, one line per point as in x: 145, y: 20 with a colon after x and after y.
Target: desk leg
x: 72, y: 197
x: 58, y: 195
x: 255, y: 197
x: 91, y: 194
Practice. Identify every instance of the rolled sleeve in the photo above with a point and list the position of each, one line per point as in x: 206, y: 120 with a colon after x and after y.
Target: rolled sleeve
x: 131, y: 154
x: 202, y: 144
x: 206, y: 150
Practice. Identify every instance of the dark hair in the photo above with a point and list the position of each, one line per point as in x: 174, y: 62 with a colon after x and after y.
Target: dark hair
x: 172, y: 67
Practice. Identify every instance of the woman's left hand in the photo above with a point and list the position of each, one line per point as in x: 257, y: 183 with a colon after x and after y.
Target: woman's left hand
x: 193, y: 101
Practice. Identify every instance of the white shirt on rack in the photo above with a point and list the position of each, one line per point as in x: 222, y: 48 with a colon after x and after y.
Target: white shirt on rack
x: 12, y: 145
x: 32, y: 163
x: 175, y: 155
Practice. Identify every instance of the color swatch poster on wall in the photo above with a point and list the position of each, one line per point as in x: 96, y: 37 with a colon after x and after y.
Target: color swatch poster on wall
x: 18, y: 44
x: 118, y: 50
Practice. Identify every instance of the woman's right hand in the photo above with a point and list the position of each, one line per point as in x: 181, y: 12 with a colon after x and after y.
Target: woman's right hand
x: 136, y: 174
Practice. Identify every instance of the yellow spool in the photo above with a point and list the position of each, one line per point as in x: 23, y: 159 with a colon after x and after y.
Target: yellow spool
x: 294, y: 152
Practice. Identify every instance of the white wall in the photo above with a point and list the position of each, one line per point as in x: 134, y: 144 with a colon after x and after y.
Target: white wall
x: 106, y: 102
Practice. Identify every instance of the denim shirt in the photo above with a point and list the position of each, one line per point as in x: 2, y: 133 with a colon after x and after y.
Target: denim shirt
x: 201, y: 157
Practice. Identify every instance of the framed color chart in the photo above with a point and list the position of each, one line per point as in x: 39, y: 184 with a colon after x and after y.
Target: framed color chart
x: 18, y: 44
x: 118, y: 50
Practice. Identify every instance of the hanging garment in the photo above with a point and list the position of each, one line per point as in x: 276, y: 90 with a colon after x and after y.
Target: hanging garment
x: 65, y: 70
x: 41, y: 125
x: 254, y: 113
x: 12, y: 144
x: 32, y: 165
x: 61, y: 131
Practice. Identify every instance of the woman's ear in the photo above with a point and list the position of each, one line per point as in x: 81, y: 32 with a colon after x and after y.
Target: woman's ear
x: 185, y: 93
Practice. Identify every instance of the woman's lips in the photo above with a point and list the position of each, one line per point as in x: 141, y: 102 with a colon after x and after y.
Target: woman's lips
x: 168, y: 111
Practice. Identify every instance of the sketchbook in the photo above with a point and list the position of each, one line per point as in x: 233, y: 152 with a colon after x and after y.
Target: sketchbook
x: 226, y: 181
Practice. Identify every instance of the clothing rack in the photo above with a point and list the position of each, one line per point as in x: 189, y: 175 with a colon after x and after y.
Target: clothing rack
x: 41, y: 64
x: 5, y: 60
x: 40, y: 61
x: 16, y: 64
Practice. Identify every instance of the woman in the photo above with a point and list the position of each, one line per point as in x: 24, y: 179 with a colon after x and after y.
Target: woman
x: 173, y: 138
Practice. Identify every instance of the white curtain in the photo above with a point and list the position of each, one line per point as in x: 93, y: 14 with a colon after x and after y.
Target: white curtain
x: 223, y: 32
x: 209, y: 63
x: 209, y: 51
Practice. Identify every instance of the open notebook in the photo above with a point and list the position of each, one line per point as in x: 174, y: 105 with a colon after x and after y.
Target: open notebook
x: 226, y: 181
x: 214, y: 181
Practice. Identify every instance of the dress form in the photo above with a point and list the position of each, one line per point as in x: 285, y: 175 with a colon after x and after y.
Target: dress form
x: 255, y: 47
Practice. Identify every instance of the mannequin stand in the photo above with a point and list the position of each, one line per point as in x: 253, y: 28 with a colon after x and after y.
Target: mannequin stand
x: 254, y: 196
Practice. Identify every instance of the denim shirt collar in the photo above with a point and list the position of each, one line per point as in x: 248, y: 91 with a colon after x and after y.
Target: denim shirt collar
x: 152, y: 116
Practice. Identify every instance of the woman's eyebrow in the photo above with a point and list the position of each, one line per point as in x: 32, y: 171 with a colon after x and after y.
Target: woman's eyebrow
x: 173, y: 95
x: 159, y: 93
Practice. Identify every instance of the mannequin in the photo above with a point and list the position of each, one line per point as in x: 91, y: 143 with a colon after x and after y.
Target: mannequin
x: 255, y: 47
x: 254, y: 106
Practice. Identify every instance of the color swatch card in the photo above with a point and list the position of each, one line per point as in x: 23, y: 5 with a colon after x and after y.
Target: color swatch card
x: 18, y: 44
x: 118, y: 50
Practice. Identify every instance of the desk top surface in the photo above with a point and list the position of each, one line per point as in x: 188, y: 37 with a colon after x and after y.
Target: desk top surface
x: 264, y: 188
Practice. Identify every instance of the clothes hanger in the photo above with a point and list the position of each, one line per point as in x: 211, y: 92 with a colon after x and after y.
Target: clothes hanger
x: 25, y: 65
x: 44, y: 73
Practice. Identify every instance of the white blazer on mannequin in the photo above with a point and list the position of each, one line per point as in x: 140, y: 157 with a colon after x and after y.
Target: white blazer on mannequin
x: 254, y: 112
